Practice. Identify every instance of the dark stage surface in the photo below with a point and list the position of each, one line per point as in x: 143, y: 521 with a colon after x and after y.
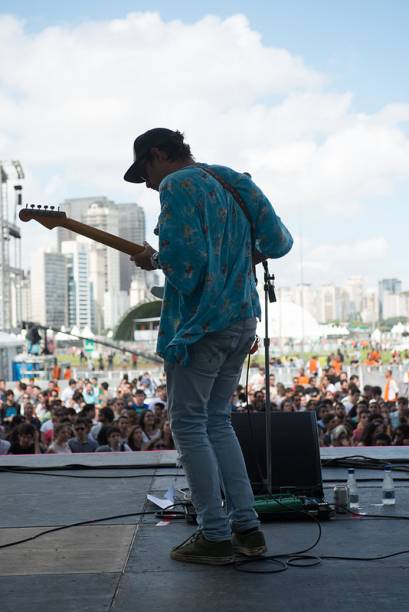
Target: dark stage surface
x: 123, y: 564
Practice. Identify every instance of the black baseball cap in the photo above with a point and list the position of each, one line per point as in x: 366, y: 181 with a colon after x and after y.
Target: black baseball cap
x: 141, y: 146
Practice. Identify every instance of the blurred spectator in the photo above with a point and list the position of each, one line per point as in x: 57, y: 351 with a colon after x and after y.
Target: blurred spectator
x: 47, y: 428
x: 114, y: 442
x: 119, y: 406
x: 151, y: 431
x: 105, y: 418
x: 90, y: 393
x: 147, y: 384
x: 159, y: 412
x: 82, y: 443
x: 257, y: 381
x: 2, y: 389
x: 28, y: 441
x: 122, y: 423
x: 390, y: 390
x: 400, y: 415
x: 165, y: 440
x: 340, y: 436
x: 68, y: 392
x: 29, y: 416
x: 10, y: 407
x: 62, y: 433
x: 4, y: 447
x: 401, y: 436
x: 105, y: 394
x: 135, y: 441
x: 160, y: 396
x: 138, y: 401
x: 363, y: 419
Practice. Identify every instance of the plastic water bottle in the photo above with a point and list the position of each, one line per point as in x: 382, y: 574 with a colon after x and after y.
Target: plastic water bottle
x: 353, y: 490
x: 388, y: 488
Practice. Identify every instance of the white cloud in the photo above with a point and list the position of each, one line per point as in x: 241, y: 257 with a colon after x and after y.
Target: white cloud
x: 345, y: 256
x: 331, y: 262
x: 72, y: 99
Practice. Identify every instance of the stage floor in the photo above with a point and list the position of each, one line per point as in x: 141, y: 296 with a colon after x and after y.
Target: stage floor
x: 122, y: 565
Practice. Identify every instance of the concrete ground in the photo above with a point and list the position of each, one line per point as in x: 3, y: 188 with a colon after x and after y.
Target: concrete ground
x: 123, y: 564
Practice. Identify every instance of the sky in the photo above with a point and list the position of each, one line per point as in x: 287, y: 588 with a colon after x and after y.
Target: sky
x: 311, y: 98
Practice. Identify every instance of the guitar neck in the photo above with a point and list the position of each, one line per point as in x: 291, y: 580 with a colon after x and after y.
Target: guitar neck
x: 120, y: 244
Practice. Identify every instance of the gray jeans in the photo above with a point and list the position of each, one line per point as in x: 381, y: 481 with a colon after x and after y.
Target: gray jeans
x: 199, y: 411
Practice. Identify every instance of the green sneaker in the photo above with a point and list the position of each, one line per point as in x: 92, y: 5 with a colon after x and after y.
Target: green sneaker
x: 250, y: 544
x: 196, y: 549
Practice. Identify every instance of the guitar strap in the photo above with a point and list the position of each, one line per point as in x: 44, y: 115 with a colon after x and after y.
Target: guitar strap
x: 236, y: 195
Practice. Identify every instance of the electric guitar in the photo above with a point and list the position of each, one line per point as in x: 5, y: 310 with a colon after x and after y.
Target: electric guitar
x: 50, y: 217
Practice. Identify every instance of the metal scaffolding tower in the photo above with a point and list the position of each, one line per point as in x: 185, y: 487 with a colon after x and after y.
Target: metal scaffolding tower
x: 11, y: 272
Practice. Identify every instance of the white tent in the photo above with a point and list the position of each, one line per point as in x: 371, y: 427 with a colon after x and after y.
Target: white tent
x: 62, y: 337
x: 333, y: 330
x: 87, y: 333
x: 398, y: 329
x: 376, y: 335
x: 10, y: 340
x: 288, y: 320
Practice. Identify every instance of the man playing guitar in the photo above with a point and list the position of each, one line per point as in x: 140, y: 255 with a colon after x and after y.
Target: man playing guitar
x: 215, y: 224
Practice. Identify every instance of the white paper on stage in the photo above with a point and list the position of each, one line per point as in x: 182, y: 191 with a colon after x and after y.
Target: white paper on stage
x: 162, y: 503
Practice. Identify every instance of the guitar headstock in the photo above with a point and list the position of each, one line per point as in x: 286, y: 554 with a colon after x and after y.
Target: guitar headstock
x: 48, y: 216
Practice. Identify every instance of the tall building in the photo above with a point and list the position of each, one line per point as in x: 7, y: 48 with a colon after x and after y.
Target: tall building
x: 131, y: 221
x: 370, y: 307
x: 306, y: 296
x: 386, y: 286
x: 142, y: 282
x: 110, y: 303
x: 48, y: 288
x: 11, y: 272
x: 285, y: 294
x: 333, y: 304
x: 80, y: 302
x: 355, y: 289
x: 395, y: 305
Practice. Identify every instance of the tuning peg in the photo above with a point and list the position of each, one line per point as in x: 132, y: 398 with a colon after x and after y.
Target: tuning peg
x: 52, y: 207
x: 38, y: 205
x: 45, y: 207
x: 32, y: 205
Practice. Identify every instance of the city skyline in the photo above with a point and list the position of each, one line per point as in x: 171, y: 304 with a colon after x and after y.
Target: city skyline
x: 314, y: 108
x: 94, y: 286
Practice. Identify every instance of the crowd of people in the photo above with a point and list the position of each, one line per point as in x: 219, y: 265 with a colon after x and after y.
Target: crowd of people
x: 84, y: 417
x: 348, y: 413
x: 87, y: 415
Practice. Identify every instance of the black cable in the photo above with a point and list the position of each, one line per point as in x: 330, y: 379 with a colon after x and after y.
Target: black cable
x: 363, y: 462
x: 35, y: 473
x: 395, y: 479
x: 371, y: 517
x: 250, y: 422
x: 89, y: 522
x: 295, y: 559
x: 81, y: 467
x: 298, y: 559
x: 284, y: 561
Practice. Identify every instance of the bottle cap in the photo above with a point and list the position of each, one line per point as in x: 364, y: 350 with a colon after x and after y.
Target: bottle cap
x: 351, y: 470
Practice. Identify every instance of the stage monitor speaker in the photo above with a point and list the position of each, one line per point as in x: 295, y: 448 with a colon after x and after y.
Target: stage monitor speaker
x: 295, y: 461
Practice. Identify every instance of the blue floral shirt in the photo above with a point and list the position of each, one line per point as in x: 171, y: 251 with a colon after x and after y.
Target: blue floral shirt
x: 205, y: 253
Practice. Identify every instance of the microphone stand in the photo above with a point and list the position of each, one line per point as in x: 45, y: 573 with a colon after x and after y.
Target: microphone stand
x: 269, y: 297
